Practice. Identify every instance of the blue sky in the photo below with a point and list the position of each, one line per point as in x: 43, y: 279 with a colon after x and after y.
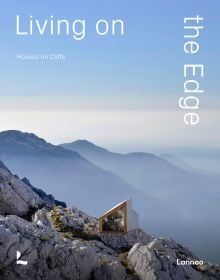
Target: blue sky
x: 143, y: 70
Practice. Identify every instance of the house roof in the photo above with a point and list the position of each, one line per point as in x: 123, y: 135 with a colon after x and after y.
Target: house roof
x: 119, y: 205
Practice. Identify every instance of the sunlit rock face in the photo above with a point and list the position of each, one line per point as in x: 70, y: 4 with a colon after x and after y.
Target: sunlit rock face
x: 15, y: 196
x: 65, y: 244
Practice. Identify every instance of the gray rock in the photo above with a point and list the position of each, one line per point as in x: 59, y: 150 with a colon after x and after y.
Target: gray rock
x: 112, y: 271
x: 158, y: 261
x: 72, y: 219
x: 15, y: 196
x: 51, y: 257
x: 121, y: 241
x: 47, y: 198
x: 61, y: 244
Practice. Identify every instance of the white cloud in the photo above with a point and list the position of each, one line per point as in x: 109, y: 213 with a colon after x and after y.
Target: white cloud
x: 115, y: 127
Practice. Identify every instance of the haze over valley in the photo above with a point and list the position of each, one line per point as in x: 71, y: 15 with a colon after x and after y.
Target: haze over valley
x: 170, y: 200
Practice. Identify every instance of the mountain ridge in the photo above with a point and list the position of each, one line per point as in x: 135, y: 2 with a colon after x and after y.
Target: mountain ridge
x: 17, y: 142
x: 138, y: 168
x: 65, y: 244
x: 169, y: 199
x: 186, y: 192
x: 65, y: 174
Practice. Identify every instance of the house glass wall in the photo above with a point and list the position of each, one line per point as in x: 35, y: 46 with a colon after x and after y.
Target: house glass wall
x: 114, y: 222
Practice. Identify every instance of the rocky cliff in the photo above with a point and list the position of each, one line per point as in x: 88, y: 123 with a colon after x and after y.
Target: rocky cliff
x: 64, y: 244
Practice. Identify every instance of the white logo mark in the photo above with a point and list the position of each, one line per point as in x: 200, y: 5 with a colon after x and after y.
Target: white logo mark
x: 18, y: 254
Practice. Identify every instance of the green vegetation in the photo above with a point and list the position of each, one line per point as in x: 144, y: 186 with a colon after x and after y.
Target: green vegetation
x: 58, y: 225
x: 160, y: 252
x: 180, y: 255
x: 105, y: 261
x: 68, y: 231
x: 205, y: 266
x: 123, y: 258
x: 66, y: 235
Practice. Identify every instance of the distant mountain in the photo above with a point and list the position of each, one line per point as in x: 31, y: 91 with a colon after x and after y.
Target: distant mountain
x: 85, y: 147
x: 94, y: 179
x: 200, y: 158
x: 69, y: 176
x: 178, y: 162
x: 189, y: 193
x: 17, y: 143
x: 47, y: 198
x: 149, y: 173
x: 65, y: 243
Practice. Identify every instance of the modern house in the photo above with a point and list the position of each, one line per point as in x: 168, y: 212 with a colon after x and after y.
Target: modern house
x: 120, y: 219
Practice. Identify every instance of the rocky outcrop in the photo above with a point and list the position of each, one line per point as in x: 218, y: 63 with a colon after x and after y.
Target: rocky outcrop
x: 124, y: 242
x: 15, y: 196
x: 71, y: 222
x: 161, y: 258
x: 47, y: 198
x: 64, y: 244
x: 19, y: 197
x: 52, y: 256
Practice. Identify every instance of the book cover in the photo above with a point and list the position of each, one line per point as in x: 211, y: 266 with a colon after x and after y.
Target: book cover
x: 109, y: 140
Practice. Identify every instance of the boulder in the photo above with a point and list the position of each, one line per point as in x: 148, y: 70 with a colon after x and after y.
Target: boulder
x: 50, y: 256
x: 15, y: 196
x: 158, y: 261
x: 64, y: 244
